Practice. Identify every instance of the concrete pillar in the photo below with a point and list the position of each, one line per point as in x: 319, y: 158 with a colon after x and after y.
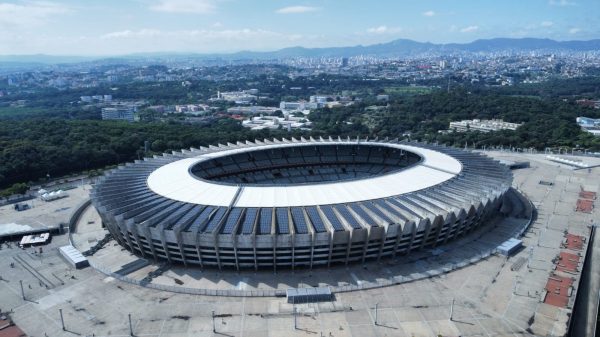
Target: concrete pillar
x: 234, y: 238
x: 312, y: 248
x: 254, y: 250
x: 132, y: 228
x: 164, y: 242
x: 274, y: 244
x: 439, y: 228
x: 383, y: 238
x: 293, y: 238
x: 198, y: 250
x: 349, y: 245
x: 126, y: 235
x: 216, y: 247
x: 366, y: 245
x: 331, y: 233
x: 412, y: 238
x: 148, y: 237
x: 399, y: 234
x: 180, y: 246
x: 428, y: 226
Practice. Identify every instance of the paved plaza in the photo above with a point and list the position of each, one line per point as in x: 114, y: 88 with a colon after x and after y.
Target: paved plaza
x: 490, y: 297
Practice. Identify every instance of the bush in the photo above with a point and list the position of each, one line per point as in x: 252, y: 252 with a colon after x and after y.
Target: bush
x: 18, y: 188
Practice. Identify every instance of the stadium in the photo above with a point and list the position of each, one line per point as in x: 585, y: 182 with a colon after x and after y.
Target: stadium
x: 298, y: 203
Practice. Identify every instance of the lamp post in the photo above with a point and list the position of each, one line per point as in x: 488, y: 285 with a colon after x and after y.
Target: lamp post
x: 62, y: 320
x: 213, y: 321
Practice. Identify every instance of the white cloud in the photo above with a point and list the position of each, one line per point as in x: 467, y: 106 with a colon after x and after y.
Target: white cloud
x: 184, y: 6
x: 469, y: 29
x: 296, y: 9
x: 198, y: 34
x: 28, y: 14
x: 562, y: 3
x: 574, y: 30
x: 157, y: 39
x: 547, y: 24
x: 384, y: 30
x: 132, y: 34
x: 429, y: 13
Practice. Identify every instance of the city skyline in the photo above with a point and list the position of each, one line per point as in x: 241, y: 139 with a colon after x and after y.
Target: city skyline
x: 66, y: 27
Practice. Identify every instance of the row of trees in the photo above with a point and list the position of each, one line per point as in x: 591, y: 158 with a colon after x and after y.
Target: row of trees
x: 34, y: 149
x: 547, y: 122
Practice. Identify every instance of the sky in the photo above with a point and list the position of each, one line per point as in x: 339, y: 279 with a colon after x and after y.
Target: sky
x: 118, y: 27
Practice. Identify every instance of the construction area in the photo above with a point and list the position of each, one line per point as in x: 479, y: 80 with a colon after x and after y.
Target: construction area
x: 465, y: 288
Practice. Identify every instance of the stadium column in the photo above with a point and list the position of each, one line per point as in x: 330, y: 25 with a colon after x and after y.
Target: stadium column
x: 312, y: 248
x: 464, y: 222
x: 163, y: 239
x: 293, y: 237
x: 110, y: 224
x: 274, y: 243
x: 234, y: 239
x: 349, y: 246
x: 197, y: 235
x: 453, y: 224
x: 399, y: 234
x: 412, y: 236
x: 180, y: 245
x: 273, y: 236
x: 148, y: 236
x: 331, y: 233
x: 254, y: 250
x: 476, y: 218
x: 215, y: 239
x: 131, y: 227
x: 383, y: 238
x: 366, y: 243
x: 129, y: 241
x: 118, y: 227
x: 440, y: 224
x: 428, y: 226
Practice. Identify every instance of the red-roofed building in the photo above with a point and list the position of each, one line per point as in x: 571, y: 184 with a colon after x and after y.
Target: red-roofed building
x: 8, y: 329
x: 558, y: 291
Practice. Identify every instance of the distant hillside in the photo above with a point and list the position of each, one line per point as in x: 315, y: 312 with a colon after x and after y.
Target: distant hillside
x: 400, y: 47
x: 403, y: 47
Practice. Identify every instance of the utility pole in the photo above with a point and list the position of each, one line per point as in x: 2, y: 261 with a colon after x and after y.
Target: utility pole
x: 130, y: 326
x: 295, y: 319
x: 376, y: 309
x: 213, y: 321
x: 452, y: 309
x: 22, y: 291
x: 62, y: 320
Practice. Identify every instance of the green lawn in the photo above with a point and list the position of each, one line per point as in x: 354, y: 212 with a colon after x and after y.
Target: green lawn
x: 408, y: 90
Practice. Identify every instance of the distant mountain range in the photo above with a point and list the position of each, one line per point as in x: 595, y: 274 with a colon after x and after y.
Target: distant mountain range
x: 404, y: 47
x: 400, y: 47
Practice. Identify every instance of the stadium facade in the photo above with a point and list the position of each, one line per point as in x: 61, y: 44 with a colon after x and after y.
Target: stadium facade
x: 298, y: 202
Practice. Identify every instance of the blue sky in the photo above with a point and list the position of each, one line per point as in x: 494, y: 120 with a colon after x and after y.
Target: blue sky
x: 115, y: 27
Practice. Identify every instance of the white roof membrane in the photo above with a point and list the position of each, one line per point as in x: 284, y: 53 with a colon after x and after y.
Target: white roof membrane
x: 174, y: 181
